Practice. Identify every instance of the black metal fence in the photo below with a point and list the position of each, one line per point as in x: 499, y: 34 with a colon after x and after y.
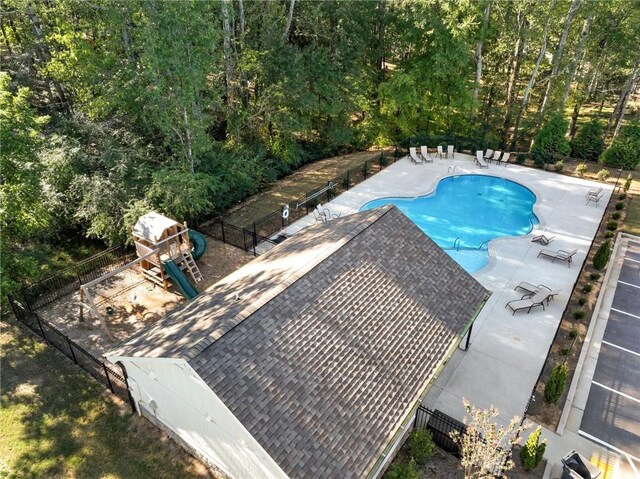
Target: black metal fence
x: 444, y: 429
x: 29, y: 299
x: 263, y: 233
x: 69, y: 280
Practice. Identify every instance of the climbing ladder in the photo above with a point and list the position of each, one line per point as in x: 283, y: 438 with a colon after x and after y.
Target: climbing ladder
x: 188, y: 263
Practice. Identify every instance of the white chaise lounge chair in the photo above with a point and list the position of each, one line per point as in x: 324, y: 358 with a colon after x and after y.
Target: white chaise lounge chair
x: 415, y: 157
x: 424, y: 151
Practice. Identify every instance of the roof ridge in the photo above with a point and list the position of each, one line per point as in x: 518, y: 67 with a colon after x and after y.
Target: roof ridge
x: 299, y: 273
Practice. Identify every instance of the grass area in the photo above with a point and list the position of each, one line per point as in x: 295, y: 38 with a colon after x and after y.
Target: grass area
x: 56, y: 422
x: 632, y: 220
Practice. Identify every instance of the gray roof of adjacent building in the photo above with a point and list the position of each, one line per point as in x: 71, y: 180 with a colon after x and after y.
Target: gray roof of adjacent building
x: 323, y: 346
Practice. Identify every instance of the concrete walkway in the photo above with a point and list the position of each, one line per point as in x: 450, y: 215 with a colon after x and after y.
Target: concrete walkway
x: 507, y: 351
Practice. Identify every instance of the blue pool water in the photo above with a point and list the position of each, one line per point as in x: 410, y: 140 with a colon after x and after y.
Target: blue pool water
x: 465, y: 212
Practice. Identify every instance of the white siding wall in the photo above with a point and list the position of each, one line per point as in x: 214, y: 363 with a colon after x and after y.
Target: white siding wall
x: 185, y: 404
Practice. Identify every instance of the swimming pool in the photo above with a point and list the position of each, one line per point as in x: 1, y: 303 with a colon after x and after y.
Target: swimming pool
x: 465, y: 212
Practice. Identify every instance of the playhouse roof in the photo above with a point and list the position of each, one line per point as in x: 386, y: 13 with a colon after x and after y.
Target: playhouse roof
x: 323, y: 346
x: 152, y: 225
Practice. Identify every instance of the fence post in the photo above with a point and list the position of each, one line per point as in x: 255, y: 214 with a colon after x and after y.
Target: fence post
x: 132, y: 402
x: 365, y: 169
x: 106, y: 372
x: 224, y: 240
x: 40, y: 326
x: 71, y: 349
x: 255, y: 236
x: 244, y: 239
x: 348, y: 179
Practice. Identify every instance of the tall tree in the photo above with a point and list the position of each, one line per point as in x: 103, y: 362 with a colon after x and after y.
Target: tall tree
x: 534, y: 75
x: 483, y: 32
x: 557, y: 57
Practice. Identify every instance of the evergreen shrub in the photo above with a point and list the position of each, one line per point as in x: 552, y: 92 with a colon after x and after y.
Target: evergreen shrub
x: 555, y: 384
x: 588, y: 144
x: 550, y: 141
x: 533, y: 450
x: 602, y: 255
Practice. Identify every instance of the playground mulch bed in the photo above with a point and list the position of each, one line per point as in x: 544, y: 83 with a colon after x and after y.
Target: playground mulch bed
x: 135, y: 302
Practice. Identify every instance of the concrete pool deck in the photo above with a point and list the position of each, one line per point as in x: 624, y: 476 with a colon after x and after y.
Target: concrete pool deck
x: 507, y: 352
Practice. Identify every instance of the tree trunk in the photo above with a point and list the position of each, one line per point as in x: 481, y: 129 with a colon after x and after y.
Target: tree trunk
x: 44, y: 55
x: 557, y: 57
x: 188, y: 143
x: 574, y: 120
x: 513, y: 78
x: 285, y: 34
x: 476, y: 88
x: 244, y: 85
x: 627, y: 90
x: 532, y: 80
x: 381, y: 27
x: 226, y: 39
x: 577, y: 56
x: 4, y: 35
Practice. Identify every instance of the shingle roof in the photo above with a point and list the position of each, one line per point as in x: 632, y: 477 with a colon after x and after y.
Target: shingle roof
x: 335, y: 335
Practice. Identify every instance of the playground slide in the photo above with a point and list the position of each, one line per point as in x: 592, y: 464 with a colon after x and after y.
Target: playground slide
x: 180, y: 279
x: 199, y: 244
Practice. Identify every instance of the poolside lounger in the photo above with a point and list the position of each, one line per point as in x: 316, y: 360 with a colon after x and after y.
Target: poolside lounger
x: 319, y: 215
x: 593, y: 192
x: 424, y: 151
x: 496, y: 156
x: 531, y: 289
x: 488, y: 154
x: 480, y: 161
x: 450, y: 151
x: 415, y: 157
x: 594, y: 198
x: 527, y: 303
x: 560, y: 255
x: 542, y: 239
x: 505, y: 159
x: 440, y: 151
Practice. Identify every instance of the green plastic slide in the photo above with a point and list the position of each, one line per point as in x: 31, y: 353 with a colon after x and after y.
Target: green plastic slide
x: 199, y: 244
x: 180, y: 279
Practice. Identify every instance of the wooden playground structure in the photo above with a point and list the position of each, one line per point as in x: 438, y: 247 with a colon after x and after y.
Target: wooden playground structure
x: 165, y: 252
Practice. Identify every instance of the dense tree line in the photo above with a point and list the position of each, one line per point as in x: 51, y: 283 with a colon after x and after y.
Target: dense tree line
x: 111, y: 107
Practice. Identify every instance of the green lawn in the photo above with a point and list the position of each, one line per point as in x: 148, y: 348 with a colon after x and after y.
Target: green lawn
x: 632, y: 220
x: 57, y: 422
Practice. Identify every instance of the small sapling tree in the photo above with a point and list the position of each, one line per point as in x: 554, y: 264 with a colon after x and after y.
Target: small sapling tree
x: 484, y: 445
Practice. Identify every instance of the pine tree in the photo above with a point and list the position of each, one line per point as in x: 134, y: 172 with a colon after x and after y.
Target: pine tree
x: 556, y: 382
x: 601, y: 257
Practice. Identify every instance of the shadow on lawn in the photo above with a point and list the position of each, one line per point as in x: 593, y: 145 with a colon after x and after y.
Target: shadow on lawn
x: 66, y: 424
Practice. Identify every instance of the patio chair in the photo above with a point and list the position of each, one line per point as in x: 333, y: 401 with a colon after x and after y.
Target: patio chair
x: 440, y: 151
x: 505, y: 159
x: 593, y: 192
x: 594, y: 198
x: 450, y: 151
x: 542, y: 239
x: 560, y: 255
x: 529, y: 302
x: 330, y: 215
x: 496, y: 156
x: 531, y: 290
x: 319, y: 215
x: 488, y: 154
x: 415, y: 157
x: 424, y: 151
x: 480, y: 161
